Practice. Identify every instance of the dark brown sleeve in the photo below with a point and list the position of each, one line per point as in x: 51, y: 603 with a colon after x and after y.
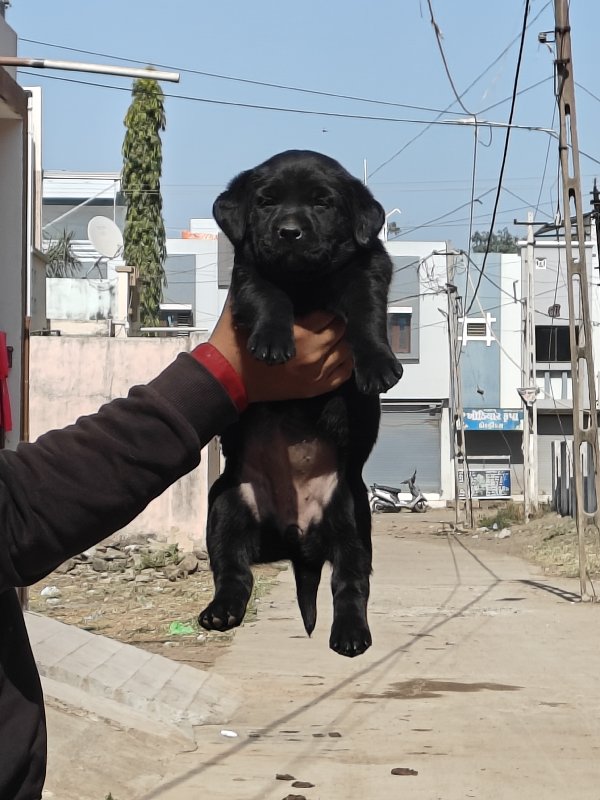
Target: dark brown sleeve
x: 73, y: 487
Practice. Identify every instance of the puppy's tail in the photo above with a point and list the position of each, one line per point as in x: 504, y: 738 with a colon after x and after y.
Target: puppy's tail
x: 307, y: 577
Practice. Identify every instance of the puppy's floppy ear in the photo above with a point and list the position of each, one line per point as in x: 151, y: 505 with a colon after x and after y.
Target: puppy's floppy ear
x: 368, y: 215
x: 230, y: 208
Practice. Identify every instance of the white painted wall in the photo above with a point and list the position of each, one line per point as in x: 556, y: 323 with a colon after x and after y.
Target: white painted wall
x: 510, y: 332
x: 430, y: 377
x: 74, y: 376
x: 81, y: 299
x: 207, y: 308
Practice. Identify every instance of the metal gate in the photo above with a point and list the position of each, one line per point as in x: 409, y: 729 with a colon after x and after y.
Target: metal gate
x: 409, y: 439
x: 550, y: 428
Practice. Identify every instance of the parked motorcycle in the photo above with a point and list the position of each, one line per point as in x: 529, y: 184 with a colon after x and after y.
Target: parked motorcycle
x: 387, y: 498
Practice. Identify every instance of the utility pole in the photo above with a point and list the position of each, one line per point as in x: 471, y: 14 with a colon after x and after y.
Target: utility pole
x: 528, y: 390
x: 585, y: 420
x: 463, y: 503
x: 596, y: 214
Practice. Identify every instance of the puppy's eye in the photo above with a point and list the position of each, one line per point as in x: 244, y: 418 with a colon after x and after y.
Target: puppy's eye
x: 321, y: 202
x: 265, y: 201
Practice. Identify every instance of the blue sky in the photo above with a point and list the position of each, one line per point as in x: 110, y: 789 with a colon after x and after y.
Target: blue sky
x: 379, y: 50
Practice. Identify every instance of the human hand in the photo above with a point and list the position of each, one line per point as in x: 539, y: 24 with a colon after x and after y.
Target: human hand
x: 323, y: 359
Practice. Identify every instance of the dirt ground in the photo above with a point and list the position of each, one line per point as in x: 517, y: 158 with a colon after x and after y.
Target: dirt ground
x: 146, y: 614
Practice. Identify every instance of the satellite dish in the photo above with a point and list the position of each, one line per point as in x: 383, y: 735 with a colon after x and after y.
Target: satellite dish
x: 105, y: 236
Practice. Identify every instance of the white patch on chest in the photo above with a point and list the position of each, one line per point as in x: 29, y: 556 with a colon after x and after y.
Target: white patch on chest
x: 290, y: 482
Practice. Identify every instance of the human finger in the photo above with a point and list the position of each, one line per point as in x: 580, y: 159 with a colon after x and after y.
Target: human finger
x: 338, y: 359
x: 316, y: 321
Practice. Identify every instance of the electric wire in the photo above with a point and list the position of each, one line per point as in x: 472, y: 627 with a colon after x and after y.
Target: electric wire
x: 505, y: 151
x: 468, y: 89
x: 438, y: 38
x: 237, y: 79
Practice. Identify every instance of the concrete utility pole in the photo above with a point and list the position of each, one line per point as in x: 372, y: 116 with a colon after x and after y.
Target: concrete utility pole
x: 528, y: 390
x: 585, y: 420
x: 463, y: 503
x: 596, y: 214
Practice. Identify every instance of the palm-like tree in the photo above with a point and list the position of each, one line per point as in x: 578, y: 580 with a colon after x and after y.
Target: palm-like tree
x: 62, y: 261
x: 144, y: 235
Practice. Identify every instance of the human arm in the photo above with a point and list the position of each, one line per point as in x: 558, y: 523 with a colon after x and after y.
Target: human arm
x: 75, y: 486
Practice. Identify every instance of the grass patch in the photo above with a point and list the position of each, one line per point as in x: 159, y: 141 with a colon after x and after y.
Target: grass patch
x: 155, y: 559
x: 510, y: 514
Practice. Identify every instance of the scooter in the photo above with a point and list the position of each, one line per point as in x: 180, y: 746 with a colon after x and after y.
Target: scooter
x: 387, y: 498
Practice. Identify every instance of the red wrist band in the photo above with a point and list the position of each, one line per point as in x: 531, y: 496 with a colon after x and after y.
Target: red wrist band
x: 216, y: 363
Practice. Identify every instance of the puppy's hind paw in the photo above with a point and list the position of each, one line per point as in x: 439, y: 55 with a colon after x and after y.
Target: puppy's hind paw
x: 350, y: 637
x: 222, y: 614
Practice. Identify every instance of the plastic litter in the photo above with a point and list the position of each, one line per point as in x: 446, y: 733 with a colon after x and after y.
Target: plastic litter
x: 180, y: 628
x: 50, y: 591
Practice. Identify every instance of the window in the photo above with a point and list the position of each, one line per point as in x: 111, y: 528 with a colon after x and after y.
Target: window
x: 477, y: 329
x: 399, y: 322
x: 552, y: 343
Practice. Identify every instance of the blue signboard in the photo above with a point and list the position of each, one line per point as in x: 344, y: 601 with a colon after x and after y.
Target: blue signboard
x: 493, y: 419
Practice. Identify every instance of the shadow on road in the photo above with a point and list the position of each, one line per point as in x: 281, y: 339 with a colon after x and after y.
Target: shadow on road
x: 388, y: 659
x: 557, y: 591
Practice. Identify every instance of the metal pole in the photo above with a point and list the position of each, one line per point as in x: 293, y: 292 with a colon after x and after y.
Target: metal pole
x: 585, y: 421
x: 463, y: 504
x: 596, y: 214
x: 528, y: 377
x: 80, y: 66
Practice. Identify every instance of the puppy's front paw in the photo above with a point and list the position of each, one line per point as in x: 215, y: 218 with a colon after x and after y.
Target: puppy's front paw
x: 225, y: 612
x: 272, y: 343
x: 378, y: 372
x: 350, y: 636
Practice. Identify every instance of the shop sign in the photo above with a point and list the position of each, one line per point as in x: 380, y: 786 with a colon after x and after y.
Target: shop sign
x: 493, y: 419
x: 489, y: 482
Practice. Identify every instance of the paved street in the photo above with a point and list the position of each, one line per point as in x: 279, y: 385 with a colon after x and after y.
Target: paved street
x: 483, y: 679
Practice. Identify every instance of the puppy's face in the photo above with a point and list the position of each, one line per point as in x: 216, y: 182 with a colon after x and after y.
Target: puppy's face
x: 300, y: 213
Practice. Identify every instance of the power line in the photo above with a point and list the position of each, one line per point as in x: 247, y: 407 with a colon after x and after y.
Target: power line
x: 519, y: 93
x: 237, y: 79
x: 505, y: 152
x: 468, y: 89
x: 259, y: 107
x: 438, y: 38
x: 287, y: 110
x: 447, y: 214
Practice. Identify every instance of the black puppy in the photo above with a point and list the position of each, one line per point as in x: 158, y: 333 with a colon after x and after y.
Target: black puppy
x: 305, y: 238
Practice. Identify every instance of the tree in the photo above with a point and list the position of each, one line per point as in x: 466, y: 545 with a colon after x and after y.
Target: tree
x: 144, y: 235
x: 62, y: 261
x: 501, y: 242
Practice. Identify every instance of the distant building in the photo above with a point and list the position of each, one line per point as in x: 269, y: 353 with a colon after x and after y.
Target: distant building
x: 415, y: 423
x: 490, y: 367
x: 552, y: 345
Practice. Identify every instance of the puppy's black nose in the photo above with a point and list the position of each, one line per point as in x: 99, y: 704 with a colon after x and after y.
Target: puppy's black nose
x: 290, y: 232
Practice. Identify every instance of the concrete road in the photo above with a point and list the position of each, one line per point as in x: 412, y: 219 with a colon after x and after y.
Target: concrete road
x: 483, y: 681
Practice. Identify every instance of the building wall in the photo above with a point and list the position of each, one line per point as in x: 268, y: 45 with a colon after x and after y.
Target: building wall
x: 427, y: 377
x: 510, y: 332
x: 8, y: 45
x: 12, y: 258
x: 74, y: 376
x: 80, y: 299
